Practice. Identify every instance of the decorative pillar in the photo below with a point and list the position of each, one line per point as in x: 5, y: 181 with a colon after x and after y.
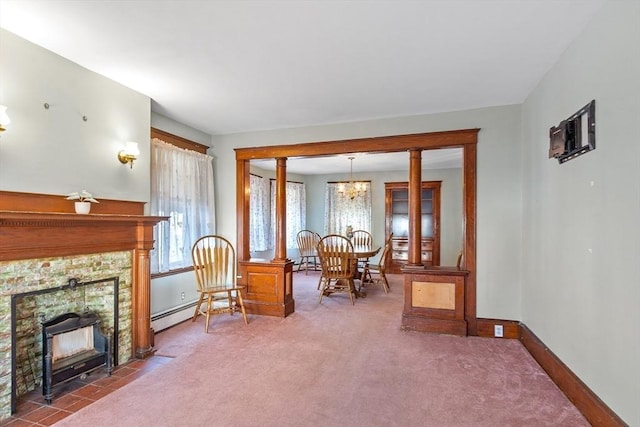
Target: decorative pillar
x: 281, y: 211
x: 415, y: 208
x: 243, y: 193
x: 268, y: 286
x: 141, y: 275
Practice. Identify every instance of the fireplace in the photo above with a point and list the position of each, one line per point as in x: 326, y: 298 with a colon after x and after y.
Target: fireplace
x: 42, y: 245
x: 72, y: 345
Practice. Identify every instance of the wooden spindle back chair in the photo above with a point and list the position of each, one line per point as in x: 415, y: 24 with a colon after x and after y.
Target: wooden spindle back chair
x: 214, y: 264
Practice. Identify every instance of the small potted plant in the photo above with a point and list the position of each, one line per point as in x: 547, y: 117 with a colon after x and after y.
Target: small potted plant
x: 83, y: 201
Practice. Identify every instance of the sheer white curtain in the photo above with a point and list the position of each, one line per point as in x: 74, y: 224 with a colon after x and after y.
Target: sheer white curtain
x: 259, y: 213
x: 296, y: 212
x: 182, y: 187
x: 340, y: 211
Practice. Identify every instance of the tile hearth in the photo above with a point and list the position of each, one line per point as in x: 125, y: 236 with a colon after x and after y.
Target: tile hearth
x: 74, y: 395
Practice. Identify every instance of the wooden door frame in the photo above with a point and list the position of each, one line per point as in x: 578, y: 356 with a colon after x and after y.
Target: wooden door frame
x: 466, y: 139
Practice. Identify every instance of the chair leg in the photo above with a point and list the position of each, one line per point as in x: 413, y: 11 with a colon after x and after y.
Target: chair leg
x: 324, y: 287
x: 385, y: 284
x: 198, y: 307
x: 241, y: 303
x: 209, y: 303
x: 230, y: 302
x: 366, y: 274
x: 352, y: 289
x: 321, y: 289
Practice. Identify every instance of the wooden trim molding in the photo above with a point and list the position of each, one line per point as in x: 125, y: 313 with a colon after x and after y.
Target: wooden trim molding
x: 35, y: 202
x: 379, y: 144
x: 510, y: 328
x: 178, y: 141
x: 32, y: 235
x: 586, y: 401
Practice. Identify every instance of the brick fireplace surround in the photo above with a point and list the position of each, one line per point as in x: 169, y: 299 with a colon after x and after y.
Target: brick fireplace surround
x: 38, y: 231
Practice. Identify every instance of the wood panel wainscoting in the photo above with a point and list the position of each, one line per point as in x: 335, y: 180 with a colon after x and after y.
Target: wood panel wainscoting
x: 588, y: 403
x: 434, y: 300
x: 36, y: 226
x: 268, y: 287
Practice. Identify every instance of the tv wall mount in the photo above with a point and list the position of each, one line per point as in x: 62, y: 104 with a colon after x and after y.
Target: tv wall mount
x: 574, y: 136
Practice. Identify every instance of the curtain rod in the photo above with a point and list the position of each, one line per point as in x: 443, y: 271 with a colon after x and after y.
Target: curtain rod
x: 346, y: 182
x: 255, y: 175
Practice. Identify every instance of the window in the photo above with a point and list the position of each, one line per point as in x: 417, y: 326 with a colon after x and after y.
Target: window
x: 259, y: 214
x: 341, y: 211
x: 296, y: 212
x: 181, y: 188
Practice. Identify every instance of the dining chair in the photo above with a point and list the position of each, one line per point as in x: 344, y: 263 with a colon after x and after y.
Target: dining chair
x: 378, y: 269
x: 338, y: 265
x: 362, y: 238
x: 214, y: 263
x: 307, y: 242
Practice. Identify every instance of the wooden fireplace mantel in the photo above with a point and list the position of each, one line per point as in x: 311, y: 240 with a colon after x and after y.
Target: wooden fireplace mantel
x: 28, y: 235
x: 33, y: 235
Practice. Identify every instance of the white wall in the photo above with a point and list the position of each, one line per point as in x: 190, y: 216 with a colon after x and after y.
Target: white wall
x: 166, y: 124
x: 499, y: 214
x: 581, y: 234
x: 54, y: 151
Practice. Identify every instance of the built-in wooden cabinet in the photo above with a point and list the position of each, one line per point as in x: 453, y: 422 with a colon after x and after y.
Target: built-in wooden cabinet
x: 397, y: 222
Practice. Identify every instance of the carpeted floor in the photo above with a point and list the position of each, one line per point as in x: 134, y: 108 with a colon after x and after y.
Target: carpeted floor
x: 333, y: 364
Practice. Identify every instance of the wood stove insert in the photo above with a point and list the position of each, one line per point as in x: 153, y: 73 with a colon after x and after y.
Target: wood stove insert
x: 73, y: 345
x: 71, y: 298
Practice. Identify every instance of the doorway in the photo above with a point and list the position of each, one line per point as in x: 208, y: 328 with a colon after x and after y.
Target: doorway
x: 465, y: 139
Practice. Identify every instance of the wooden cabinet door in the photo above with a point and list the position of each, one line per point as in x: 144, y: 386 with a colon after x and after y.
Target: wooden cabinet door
x: 397, y: 222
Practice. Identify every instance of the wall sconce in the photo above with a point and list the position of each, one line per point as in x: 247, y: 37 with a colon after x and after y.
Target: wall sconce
x: 129, y: 153
x: 4, y: 118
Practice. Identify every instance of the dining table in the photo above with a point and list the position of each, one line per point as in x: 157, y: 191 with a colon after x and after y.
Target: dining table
x: 363, y: 253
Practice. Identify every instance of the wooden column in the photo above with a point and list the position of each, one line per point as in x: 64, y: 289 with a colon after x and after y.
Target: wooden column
x: 142, y: 333
x: 469, y: 236
x: 281, y: 210
x: 243, y: 189
x: 415, y: 208
x: 267, y: 285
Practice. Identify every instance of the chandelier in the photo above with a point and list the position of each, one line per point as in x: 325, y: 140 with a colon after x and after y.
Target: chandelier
x: 352, y: 189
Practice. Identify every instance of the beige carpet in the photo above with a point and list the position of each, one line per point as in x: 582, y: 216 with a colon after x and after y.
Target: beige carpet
x: 333, y: 364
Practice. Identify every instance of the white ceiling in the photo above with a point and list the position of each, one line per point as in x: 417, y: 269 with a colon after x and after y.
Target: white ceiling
x: 235, y: 66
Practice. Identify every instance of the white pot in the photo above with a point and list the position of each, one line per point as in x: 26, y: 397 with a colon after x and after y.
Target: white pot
x: 83, y: 207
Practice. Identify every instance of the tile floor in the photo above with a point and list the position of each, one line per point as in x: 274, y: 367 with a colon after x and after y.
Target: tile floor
x: 32, y: 410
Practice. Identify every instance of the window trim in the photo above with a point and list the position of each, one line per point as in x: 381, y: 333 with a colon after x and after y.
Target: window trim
x: 178, y: 141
